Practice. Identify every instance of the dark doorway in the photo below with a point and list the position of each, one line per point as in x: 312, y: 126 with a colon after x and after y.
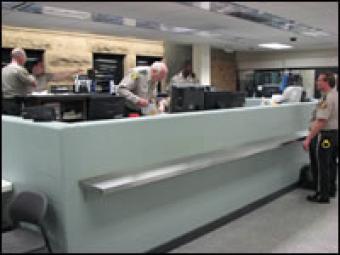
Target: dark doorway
x: 108, y: 67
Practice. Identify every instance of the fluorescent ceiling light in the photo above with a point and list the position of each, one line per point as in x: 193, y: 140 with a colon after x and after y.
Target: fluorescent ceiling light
x: 276, y: 46
x: 65, y: 13
x: 315, y: 33
x: 182, y: 30
x: 257, y: 16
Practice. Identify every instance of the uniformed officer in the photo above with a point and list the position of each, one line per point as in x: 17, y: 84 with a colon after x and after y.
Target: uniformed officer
x: 139, y: 86
x: 325, y: 129
x: 185, y: 76
x: 43, y: 78
x: 16, y: 81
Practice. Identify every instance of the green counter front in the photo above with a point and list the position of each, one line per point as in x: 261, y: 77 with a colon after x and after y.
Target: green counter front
x: 60, y: 159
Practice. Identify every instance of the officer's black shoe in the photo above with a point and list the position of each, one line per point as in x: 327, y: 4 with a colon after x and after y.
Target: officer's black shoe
x: 318, y: 199
x: 312, y: 197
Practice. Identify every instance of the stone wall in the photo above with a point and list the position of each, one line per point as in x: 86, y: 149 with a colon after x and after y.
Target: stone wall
x: 72, y: 50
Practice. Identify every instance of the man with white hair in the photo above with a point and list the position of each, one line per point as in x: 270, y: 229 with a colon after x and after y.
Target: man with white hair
x: 15, y: 78
x: 139, y: 86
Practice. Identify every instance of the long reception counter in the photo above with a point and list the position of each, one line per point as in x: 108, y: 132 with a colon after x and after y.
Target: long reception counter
x: 132, y: 185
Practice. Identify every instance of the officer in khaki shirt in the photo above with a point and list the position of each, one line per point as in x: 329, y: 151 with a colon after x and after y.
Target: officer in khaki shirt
x: 325, y: 129
x: 16, y: 81
x: 139, y: 86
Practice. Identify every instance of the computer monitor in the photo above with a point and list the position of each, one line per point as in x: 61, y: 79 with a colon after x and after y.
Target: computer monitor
x: 105, y: 107
x: 186, y: 98
x: 223, y: 99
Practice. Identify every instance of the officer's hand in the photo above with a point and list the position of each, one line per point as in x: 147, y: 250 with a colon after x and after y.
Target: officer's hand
x: 162, y: 104
x: 161, y: 108
x: 34, y: 84
x: 306, y: 144
x: 142, y: 102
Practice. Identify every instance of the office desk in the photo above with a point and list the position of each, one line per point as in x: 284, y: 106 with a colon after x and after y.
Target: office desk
x: 61, y: 103
x: 64, y: 104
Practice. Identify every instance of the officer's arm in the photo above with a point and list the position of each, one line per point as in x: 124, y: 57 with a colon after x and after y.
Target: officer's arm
x: 126, y: 86
x: 59, y: 76
x: 164, y: 103
x: 317, y: 125
x: 26, y: 78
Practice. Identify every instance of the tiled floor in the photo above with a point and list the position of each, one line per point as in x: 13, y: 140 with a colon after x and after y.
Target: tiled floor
x: 289, y: 224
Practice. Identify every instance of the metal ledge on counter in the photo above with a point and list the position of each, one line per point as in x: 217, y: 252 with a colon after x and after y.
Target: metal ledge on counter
x: 109, y: 183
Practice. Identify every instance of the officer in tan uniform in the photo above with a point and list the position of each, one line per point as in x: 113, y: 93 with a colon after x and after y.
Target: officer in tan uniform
x: 16, y: 81
x: 325, y: 129
x: 139, y: 86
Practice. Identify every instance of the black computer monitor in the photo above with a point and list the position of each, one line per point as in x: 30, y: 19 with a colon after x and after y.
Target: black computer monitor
x: 187, y: 98
x: 223, y: 99
x: 105, y: 107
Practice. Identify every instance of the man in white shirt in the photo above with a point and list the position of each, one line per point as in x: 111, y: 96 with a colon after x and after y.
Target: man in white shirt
x: 291, y: 94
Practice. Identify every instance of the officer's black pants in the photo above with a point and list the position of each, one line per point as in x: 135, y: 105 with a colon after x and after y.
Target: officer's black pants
x: 327, y: 153
x: 313, y: 161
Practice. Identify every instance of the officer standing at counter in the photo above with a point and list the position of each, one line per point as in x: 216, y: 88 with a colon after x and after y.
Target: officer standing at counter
x: 16, y: 81
x: 139, y: 86
x: 325, y: 128
x: 42, y: 77
x: 185, y: 76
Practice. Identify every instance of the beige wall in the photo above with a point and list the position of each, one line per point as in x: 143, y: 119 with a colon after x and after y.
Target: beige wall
x: 223, y: 70
x: 71, y: 50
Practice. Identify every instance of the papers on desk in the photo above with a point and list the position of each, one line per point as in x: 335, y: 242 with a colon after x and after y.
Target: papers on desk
x: 6, y: 186
x: 40, y: 93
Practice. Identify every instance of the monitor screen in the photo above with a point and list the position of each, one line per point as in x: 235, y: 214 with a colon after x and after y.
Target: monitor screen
x: 187, y: 98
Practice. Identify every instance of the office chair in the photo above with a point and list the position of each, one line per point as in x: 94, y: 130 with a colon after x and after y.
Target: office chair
x: 26, y: 207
